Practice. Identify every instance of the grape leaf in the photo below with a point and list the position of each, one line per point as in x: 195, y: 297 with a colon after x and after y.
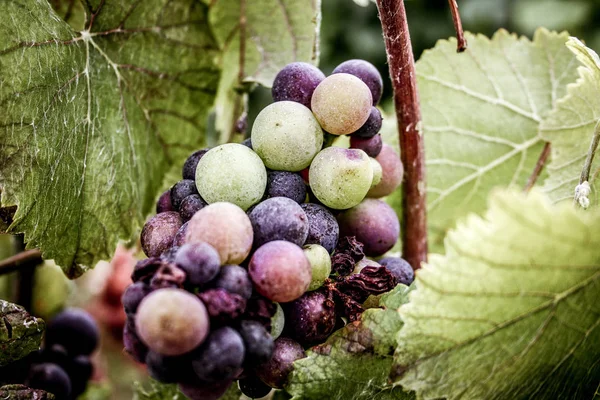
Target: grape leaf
x: 22, y: 392
x: 512, y: 311
x: 20, y: 332
x: 355, y: 361
x: 571, y: 125
x: 71, y: 11
x: 481, y: 113
x: 92, y: 120
x: 277, y: 32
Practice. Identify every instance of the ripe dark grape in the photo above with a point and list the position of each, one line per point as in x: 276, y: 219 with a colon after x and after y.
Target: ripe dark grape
x: 51, y: 378
x: 204, y: 391
x: 372, y: 146
x: 80, y: 371
x: 133, y: 296
x: 190, y: 205
x: 181, y: 190
x: 56, y: 354
x: 222, y: 306
x: 75, y: 330
x: 220, y: 357
x: 169, y: 369
x: 234, y: 279
x: 323, y: 228
x: 253, y: 387
x: 133, y: 344
x: 279, y: 218
x: 286, y: 184
x: 189, y: 167
x: 275, y: 371
x: 158, y: 233
x: 371, y: 127
x: 179, y: 239
x: 366, y: 72
x: 164, y: 203
x: 258, y: 343
x: 400, y: 268
x: 311, y: 318
x: 296, y: 82
x: 200, y: 262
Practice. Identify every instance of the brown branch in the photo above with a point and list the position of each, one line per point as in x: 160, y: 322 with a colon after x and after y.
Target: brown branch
x: 402, y: 72
x: 460, y: 35
x: 24, y: 259
x: 539, y: 167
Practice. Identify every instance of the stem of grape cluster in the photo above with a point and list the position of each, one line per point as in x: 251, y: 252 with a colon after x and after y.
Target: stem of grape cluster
x: 24, y: 259
x: 406, y: 98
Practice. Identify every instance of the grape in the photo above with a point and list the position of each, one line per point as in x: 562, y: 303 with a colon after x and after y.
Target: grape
x: 234, y: 279
x: 323, y: 228
x: 320, y: 263
x: 366, y: 72
x: 296, y: 82
x: 203, y: 391
x: 372, y: 146
x: 392, y: 171
x: 371, y: 127
x: 170, y: 369
x: 286, y: 184
x: 220, y: 357
x: 158, y: 233
x: 222, y: 306
x: 75, y: 330
x: 133, y: 344
x: 133, y: 296
x: 286, y: 136
x: 400, y: 268
x: 171, y: 321
x: 252, y: 387
x: 224, y: 226
x: 190, y: 205
x: 280, y: 271
x: 377, y: 172
x: 248, y: 143
x: 374, y: 223
x: 365, y: 262
x: 80, y: 370
x: 51, y: 378
x: 277, y: 322
x: 341, y: 104
x: 311, y: 318
x: 181, y: 190
x: 164, y: 203
x: 200, y: 262
x: 275, y: 371
x: 279, y: 218
x: 190, y: 165
x: 179, y: 239
x: 340, y: 178
x: 168, y: 276
x: 232, y: 173
x: 257, y: 341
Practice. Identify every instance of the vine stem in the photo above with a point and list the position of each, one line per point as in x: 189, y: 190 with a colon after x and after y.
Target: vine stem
x: 539, y: 166
x: 23, y: 259
x: 587, y: 166
x: 406, y: 99
x: 461, y: 44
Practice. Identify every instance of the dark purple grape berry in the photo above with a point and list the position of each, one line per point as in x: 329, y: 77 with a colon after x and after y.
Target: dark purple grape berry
x: 258, y: 342
x: 169, y: 369
x: 133, y: 296
x: 275, y: 371
x: 203, y: 391
x: 286, y: 184
x: 371, y: 127
x: 179, y: 239
x: 51, y: 378
x: 253, y: 387
x: 75, y: 330
x: 181, y: 190
x: 200, y: 262
x: 158, y: 233
x: 400, y: 268
x: 190, y: 206
x: 222, y: 306
x: 80, y: 370
x: 164, y: 203
x: 132, y: 343
x: 248, y: 143
x: 220, y: 357
x: 366, y: 72
x: 311, y: 318
x: 296, y: 82
x: 279, y: 218
x: 371, y: 146
x: 144, y: 269
x: 234, y: 279
x: 56, y: 354
x: 323, y: 228
x: 189, y: 167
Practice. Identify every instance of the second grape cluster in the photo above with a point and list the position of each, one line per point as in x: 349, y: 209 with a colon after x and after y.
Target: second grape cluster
x: 261, y: 250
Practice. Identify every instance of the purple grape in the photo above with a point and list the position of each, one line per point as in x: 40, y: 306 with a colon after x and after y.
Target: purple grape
x: 203, y: 391
x: 220, y: 357
x: 75, y: 330
x: 168, y: 276
x: 311, y: 318
x: 371, y: 146
x: 158, y: 233
x: 179, y: 239
x: 258, y: 343
x: 323, y: 228
x: 133, y: 296
x: 253, y: 387
x: 164, y: 203
x: 371, y: 127
x: 189, y: 167
x: 296, y: 82
x: 222, y: 306
x: 52, y: 379
x: 400, y: 268
x: 181, y: 190
x: 56, y: 354
x: 248, y: 143
x: 80, y: 370
x: 234, y: 279
x: 200, y: 262
x: 286, y: 184
x: 279, y: 218
x: 275, y: 371
x: 133, y: 344
x: 366, y: 72
x: 169, y: 369
x: 374, y: 223
x: 190, y: 205
x: 392, y: 172
x: 145, y: 269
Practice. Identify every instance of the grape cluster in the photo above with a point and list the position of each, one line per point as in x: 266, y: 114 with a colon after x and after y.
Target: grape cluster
x: 62, y: 367
x: 261, y: 250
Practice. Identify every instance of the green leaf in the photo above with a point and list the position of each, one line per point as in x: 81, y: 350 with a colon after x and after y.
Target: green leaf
x: 355, y: 361
x: 481, y: 114
x: 22, y: 392
x: 511, y: 311
x: 571, y: 125
x: 277, y: 32
x: 20, y: 332
x: 92, y: 120
x: 71, y: 11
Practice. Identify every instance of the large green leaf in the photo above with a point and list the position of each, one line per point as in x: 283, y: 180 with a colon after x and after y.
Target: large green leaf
x: 355, y: 361
x: 277, y: 32
x: 571, y: 125
x: 20, y: 332
x: 92, y: 120
x: 481, y: 113
x: 513, y: 309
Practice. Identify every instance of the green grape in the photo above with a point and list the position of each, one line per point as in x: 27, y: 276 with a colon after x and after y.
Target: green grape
x: 340, y: 178
x: 232, y: 173
x: 286, y: 136
x: 277, y: 322
x: 320, y: 262
x: 377, y: 172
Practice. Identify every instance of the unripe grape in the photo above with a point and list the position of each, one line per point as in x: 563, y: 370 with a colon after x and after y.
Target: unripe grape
x: 277, y: 322
x: 377, y: 172
x: 365, y: 262
x: 392, y: 172
x: 320, y: 263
